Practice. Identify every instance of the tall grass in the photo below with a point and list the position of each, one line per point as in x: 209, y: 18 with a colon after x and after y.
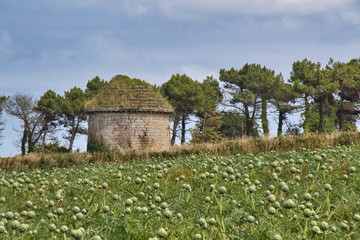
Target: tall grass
x: 225, y: 147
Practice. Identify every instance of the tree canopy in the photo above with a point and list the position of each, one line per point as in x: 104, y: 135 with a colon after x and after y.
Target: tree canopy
x: 184, y: 94
x: 328, y: 98
x: 73, y: 114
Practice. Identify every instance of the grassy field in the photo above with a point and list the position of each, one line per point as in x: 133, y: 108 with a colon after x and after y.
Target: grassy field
x: 223, y: 148
x: 304, y: 194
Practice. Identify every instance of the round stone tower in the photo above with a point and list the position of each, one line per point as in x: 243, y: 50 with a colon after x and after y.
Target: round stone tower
x: 129, y: 115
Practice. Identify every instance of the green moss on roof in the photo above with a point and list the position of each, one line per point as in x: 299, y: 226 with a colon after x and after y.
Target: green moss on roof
x: 125, y: 80
x: 124, y: 93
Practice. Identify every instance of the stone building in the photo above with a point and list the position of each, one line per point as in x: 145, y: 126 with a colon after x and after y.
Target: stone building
x: 129, y: 115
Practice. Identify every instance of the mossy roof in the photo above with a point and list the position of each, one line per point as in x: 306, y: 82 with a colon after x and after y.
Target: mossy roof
x: 128, y: 94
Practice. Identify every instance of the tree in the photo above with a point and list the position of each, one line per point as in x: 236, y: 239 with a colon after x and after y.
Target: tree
x: 94, y: 86
x: 21, y: 106
x: 303, y: 76
x: 233, y: 125
x: 2, y: 100
x: 347, y: 75
x: 239, y: 84
x: 73, y: 114
x: 49, y: 107
x: 207, y: 129
x: 284, y: 101
x: 317, y: 89
x: 183, y: 94
x: 262, y: 81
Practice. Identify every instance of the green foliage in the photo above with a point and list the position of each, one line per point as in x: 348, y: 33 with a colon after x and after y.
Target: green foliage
x: 207, y: 128
x: 94, y: 86
x: 51, y: 148
x: 252, y: 196
x: 73, y: 114
x: 305, y: 79
x: 252, y: 87
x: 49, y: 104
x: 184, y: 94
x: 49, y: 107
x: 283, y: 101
x: 120, y: 93
x: 208, y: 131
x: 2, y: 100
x: 330, y: 94
x: 123, y: 79
x: 317, y: 88
x: 95, y: 145
x: 209, y: 98
x: 347, y: 75
x: 234, y: 125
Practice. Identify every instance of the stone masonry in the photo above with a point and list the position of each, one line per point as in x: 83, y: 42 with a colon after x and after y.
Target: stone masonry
x: 128, y: 114
x: 132, y: 130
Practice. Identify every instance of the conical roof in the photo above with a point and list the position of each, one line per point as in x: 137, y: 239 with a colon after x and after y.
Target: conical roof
x: 125, y: 94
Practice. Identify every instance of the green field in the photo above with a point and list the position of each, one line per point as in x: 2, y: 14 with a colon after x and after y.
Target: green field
x: 293, y: 195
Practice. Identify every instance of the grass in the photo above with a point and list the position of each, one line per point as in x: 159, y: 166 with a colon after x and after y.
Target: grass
x: 223, y: 148
x: 304, y: 194
x: 123, y: 92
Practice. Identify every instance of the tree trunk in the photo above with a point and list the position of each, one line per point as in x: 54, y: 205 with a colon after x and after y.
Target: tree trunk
x: 306, y: 117
x: 31, y: 141
x: 281, y: 122
x: 203, y: 124
x: 183, y: 131
x: 176, y: 123
x: 44, y: 139
x: 248, y: 121
x: 264, y: 120
x: 321, y: 116
x: 341, y: 115
x: 73, y: 134
x: 24, y: 141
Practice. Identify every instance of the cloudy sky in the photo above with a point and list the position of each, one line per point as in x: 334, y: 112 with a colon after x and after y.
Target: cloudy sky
x: 59, y: 44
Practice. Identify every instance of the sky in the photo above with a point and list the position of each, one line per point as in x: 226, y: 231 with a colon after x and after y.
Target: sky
x: 59, y: 44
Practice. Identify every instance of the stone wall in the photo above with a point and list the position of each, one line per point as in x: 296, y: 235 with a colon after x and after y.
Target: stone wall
x: 131, y: 130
